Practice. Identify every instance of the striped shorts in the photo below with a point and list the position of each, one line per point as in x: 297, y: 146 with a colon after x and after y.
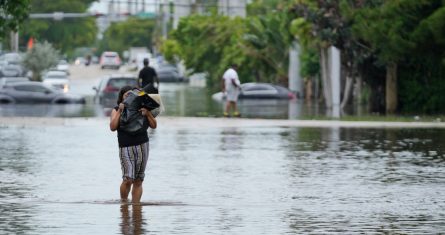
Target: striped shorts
x: 133, y: 161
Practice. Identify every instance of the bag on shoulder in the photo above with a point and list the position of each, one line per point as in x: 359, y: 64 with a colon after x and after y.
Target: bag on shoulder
x: 131, y: 120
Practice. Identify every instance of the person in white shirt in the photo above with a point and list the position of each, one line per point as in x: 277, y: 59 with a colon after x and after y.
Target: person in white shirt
x: 231, y: 85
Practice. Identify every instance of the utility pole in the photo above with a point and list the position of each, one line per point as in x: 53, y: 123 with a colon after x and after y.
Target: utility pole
x: 295, y: 81
x: 15, y: 41
x: 334, y: 57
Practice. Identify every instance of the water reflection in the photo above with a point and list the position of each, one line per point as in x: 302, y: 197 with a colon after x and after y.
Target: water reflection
x: 43, y: 110
x: 133, y: 222
x: 238, y: 180
x: 231, y: 141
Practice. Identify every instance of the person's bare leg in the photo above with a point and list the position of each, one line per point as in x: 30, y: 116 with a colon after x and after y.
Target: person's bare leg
x: 234, y: 109
x: 125, y: 189
x: 226, y: 109
x: 136, y: 192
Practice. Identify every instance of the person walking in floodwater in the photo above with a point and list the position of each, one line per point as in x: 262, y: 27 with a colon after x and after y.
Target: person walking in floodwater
x: 148, y: 75
x: 133, y: 149
x: 231, y: 85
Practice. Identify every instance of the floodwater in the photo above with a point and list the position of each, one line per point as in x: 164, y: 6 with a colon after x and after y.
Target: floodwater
x: 62, y: 176
x: 178, y: 99
x: 64, y: 179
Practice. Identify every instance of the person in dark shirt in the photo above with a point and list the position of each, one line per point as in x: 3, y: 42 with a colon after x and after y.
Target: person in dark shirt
x: 133, y: 149
x: 147, y: 75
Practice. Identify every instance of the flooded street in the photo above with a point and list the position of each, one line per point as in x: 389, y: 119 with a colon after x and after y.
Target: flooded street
x: 222, y: 176
x: 60, y: 171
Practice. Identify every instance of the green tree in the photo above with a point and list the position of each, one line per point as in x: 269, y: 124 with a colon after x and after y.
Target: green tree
x: 421, y: 74
x: 259, y: 44
x: 393, y: 30
x: 322, y: 24
x: 210, y: 44
x: 13, y: 14
x: 41, y: 57
x: 267, y: 40
x: 131, y: 33
x: 65, y: 34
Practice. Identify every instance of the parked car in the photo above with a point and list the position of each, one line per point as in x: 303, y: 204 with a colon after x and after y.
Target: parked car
x: 63, y: 66
x: 57, y: 79
x: 79, y: 61
x: 169, y: 73
x: 36, y: 92
x: 109, y: 87
x: 7, y: 80
x: 11, y: 58
x: 260, y: 91
x: 110, y: 59
x: 11, y: 70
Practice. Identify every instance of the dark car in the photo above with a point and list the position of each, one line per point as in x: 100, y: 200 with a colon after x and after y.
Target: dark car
x: 169, y: 73
x: 36, y: 92
x: 260, y: 91
x: 109, y: 87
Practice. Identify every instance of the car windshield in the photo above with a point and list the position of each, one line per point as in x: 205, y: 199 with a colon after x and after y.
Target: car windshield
x: 56, y: 77
x: 257, y: 87
x: 121, y: 82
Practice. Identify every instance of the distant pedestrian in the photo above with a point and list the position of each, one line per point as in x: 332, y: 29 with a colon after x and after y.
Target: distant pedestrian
x: 133, y: 149
x: 147, y: 76
x: 231, y: 85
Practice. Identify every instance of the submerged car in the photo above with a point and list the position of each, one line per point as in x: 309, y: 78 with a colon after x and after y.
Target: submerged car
x: 63, y: 66
x: 36, y: 92
x: 260, y: 91
x: 57, y: 79
x: 109, y: 87
x: 169, y: 73
x: 8, y: 80
x: 12, y: 70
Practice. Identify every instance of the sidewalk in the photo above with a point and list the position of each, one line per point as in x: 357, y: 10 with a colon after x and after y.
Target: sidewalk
x: 201, y: 122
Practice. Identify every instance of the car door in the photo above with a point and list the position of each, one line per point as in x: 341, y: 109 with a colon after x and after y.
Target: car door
x: 33, y: 93
x: 258, y: 91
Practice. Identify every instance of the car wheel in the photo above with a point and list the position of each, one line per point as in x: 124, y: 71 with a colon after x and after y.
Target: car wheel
x: 61, y: 101
x: 7, y: 100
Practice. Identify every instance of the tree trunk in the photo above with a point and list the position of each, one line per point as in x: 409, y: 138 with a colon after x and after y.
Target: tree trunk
x: 347, y: 92
x: 327, y: 90
x: 309, y: 89
x: 358, y: 90
x: 391, y: 88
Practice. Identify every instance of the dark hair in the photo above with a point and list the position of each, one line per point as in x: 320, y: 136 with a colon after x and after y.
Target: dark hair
x: 145, y: 61
x: 124, y: 89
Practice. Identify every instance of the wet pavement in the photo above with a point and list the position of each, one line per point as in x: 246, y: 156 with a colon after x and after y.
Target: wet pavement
x: 223, y: 176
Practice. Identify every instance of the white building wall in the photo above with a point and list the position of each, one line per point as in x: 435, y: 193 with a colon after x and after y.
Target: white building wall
x: 232, y: 7
x: 182, y: 8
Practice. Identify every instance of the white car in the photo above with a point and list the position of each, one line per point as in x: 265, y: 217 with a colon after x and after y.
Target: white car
x: 110, y: 59
x: 63, y: 66
x: 57, y: 79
